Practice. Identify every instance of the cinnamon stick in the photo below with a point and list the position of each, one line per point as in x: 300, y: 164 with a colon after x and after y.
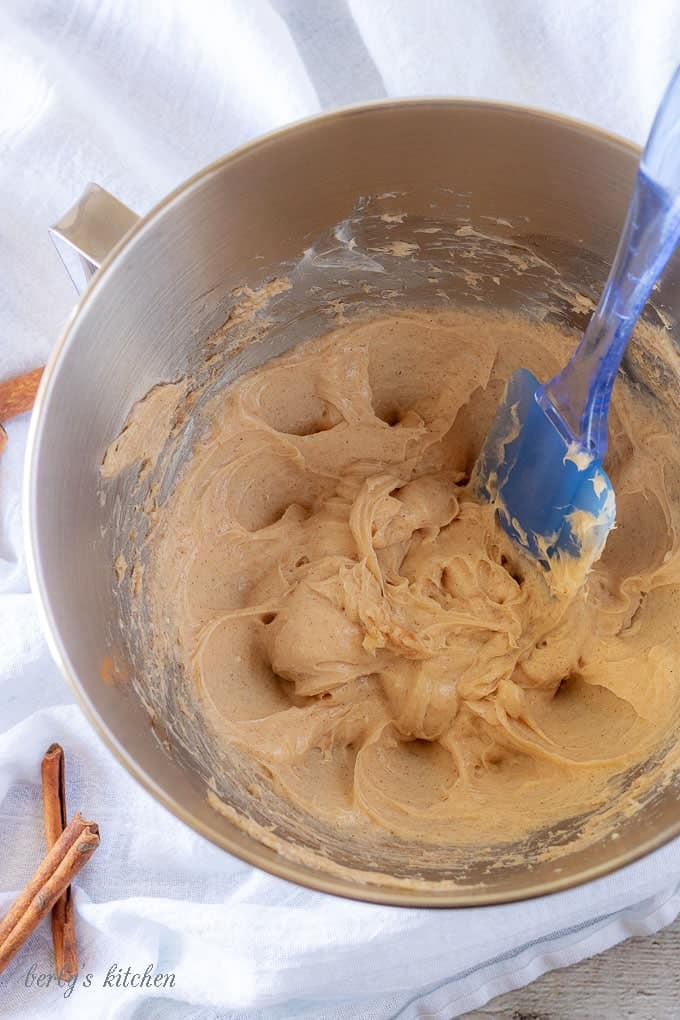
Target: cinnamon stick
x: 54, y: 803
x: 17, y: 395
x: 52, y: 878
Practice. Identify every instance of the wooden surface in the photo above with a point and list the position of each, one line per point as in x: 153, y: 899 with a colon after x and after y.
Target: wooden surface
x: 637, y: 980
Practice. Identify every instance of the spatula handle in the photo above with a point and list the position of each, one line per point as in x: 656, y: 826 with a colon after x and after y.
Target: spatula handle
x: 581, y: 393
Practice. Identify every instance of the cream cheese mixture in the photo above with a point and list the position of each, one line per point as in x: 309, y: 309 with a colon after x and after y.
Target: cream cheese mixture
x: 354, y: 621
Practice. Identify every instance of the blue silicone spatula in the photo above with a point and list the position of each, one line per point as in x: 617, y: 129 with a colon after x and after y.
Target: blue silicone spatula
x: 541, y: 462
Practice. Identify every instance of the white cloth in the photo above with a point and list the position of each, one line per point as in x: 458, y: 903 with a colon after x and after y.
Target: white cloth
x: 137, y: 96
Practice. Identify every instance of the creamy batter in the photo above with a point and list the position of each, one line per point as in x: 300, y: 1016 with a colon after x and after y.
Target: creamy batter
x: 354, y: 622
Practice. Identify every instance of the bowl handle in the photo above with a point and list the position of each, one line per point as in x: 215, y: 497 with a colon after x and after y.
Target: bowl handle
x: 86, y: 234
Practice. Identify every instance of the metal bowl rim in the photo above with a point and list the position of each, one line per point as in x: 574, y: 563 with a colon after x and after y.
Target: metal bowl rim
x: 280, y: 866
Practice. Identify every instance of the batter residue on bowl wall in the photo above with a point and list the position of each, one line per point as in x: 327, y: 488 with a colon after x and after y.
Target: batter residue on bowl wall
x: 356, y: 623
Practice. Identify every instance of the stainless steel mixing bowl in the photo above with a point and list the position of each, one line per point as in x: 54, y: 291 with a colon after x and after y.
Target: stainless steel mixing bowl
x: 549, y: 185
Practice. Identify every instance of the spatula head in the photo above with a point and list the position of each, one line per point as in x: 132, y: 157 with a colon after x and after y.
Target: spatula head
x: 552, y: 496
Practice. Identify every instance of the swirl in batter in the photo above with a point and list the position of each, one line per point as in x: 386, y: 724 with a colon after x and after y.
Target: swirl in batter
x: 353, y: 620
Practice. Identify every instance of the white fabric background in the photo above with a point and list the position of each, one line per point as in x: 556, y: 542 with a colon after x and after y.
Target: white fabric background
x: 137, y: 96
